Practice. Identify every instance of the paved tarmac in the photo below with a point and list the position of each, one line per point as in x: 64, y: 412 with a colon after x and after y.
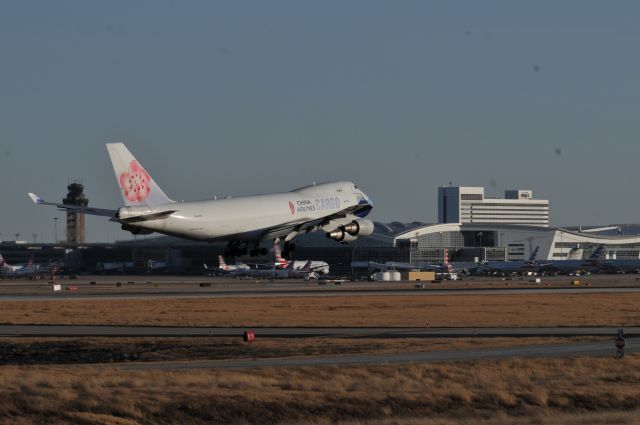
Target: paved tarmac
x: 300, y: 332
x: 253, y: 293
x: 604, y: 348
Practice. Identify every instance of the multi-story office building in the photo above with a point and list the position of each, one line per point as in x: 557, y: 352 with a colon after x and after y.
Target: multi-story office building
x: 459, y: 204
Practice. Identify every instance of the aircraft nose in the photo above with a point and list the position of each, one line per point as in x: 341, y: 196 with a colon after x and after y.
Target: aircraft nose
x: 365, y: 198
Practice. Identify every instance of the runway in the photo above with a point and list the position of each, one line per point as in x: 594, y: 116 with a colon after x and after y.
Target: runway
x: 301, y: 332
x: 604, y: 348
x: 253, y: 293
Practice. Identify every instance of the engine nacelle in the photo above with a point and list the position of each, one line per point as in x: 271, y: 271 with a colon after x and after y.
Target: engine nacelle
x: 128, y: 212
x: 348, y: 238
x: 341, y: 235
x: 136, y: 230
x: 360, y: 228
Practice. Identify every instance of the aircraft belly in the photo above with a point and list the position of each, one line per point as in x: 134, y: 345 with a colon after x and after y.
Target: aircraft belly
x: 228, y: 220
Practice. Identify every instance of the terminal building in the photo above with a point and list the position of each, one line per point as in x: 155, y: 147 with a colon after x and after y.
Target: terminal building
x: 473, y: 227
x: 509, y: 242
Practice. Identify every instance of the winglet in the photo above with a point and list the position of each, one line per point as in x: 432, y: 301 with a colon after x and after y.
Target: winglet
x: 35, y: 198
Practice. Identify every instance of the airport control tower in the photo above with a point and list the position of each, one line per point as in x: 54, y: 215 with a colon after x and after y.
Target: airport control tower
x: 75, y: 220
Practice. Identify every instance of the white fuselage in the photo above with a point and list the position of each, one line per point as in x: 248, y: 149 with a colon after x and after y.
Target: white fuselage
x: 336, y: 208
x: 251, y: 217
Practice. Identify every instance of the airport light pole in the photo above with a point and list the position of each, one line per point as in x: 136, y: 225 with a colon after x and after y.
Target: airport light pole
x: 55, y: 230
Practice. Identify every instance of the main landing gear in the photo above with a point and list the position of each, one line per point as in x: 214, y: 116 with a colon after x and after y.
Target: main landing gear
x: 240, y: 249
x: 258, y: 252
x: 289, y: 247
x: 235, y: 249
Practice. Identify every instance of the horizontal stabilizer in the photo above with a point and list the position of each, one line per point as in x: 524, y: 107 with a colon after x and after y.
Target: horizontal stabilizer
x: 147, y: 217
x: 86, y: 210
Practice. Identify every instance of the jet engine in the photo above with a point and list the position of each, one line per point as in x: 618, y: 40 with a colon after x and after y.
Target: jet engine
x: 341, y: 235
x: 348, y: 238
x: 136, y: 230
x: 359, y: 228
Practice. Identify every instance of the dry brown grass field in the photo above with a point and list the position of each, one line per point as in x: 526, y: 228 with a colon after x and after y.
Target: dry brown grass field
x: 579, y: 309
x: 39, y: 351
x: 513, y: 391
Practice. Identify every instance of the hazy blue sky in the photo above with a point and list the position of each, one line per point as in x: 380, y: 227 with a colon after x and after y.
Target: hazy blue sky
x: 229, y: 97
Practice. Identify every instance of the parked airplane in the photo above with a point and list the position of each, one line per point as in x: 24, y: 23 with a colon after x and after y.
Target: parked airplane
x: 51, y: 268
x: 593, y: 263
x: 316, y: 266
x: 306, y: 272
x: 510, y: 267
x: 224, y: 268
x: 25, y: 269
x: 4, y: 267
x: 445, y: 267
x: 621, y: 266
x: 336, y: 208
x: 264, y: 273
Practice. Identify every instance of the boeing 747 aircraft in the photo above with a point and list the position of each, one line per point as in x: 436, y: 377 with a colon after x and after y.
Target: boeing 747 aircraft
x: 336, y: 208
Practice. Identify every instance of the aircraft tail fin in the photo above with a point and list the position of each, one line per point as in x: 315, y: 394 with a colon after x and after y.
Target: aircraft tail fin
x: 137, y: 187
x: 575, y: 254
x: 534, y: 254
x: 447, y: 264
x: 281, y: 262
x: 307, y: 267
x: 598, y: 253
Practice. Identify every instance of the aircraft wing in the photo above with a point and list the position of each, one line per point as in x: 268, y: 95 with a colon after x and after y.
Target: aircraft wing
x: 283, y: 229
x: 327, y: 224
x: 87, y: 210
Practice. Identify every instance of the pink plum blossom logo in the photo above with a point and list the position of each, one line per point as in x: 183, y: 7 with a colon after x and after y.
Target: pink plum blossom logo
x: 136, y: 182
x: 291, y: 207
